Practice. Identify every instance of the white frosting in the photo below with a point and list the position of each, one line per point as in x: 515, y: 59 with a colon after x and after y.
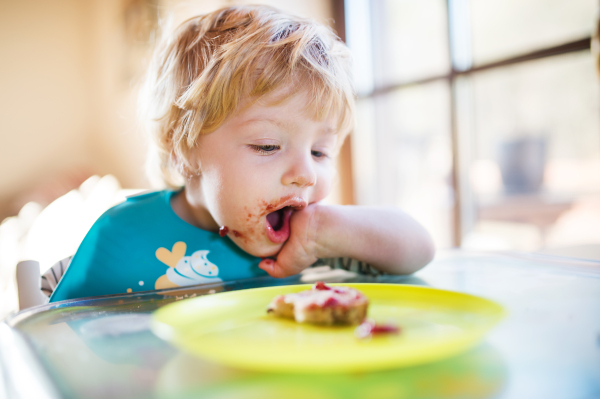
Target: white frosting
x: 345, y: 296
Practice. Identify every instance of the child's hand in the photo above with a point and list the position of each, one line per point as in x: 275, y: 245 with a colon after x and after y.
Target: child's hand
x: 298, y: 252
x: 386, y: 238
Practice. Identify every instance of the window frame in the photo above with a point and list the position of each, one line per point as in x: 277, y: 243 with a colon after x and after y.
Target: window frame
x: 457, y: 16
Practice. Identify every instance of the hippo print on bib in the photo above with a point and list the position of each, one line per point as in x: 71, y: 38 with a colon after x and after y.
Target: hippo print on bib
x: 185, y: 270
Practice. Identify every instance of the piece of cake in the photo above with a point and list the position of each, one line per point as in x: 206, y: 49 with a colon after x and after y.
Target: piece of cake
x: 322, y: 304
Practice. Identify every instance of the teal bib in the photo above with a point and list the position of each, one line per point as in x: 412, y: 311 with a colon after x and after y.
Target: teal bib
x: 141, y: 245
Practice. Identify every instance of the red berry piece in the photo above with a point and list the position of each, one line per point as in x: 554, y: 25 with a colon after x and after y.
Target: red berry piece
x: 385, y: 329
x: 319, y: 285
x: 330, y: 302
x: 369, y: 328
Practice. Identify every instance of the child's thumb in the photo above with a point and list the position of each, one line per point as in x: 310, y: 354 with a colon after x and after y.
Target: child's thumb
x: 272, y: 267
x: 268, y: 265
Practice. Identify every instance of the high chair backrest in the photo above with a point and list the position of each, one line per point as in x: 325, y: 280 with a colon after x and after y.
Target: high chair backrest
x: 28, y: 285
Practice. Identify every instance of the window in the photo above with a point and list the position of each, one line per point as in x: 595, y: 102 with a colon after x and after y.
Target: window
x: 481, y: 118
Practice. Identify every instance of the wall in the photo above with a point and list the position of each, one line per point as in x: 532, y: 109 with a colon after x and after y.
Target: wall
x: 44, y: 96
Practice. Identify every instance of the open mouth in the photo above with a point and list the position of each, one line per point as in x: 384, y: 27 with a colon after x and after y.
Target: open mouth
x: 278, y: 224
x: 277, y: 218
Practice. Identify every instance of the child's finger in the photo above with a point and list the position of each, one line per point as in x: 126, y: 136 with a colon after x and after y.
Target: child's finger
x: 272, y: 267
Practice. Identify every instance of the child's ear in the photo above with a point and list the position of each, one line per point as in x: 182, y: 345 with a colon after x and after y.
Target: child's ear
x: 184, y: 167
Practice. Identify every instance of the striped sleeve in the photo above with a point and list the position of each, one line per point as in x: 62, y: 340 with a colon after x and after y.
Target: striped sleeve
x: 53, y: 275
x: 349, y: 264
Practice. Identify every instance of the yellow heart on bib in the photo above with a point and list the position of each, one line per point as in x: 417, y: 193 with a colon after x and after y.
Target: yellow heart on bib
x: 170, y: 258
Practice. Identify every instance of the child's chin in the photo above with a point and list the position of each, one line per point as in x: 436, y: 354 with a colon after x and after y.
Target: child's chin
x: 263, y: 251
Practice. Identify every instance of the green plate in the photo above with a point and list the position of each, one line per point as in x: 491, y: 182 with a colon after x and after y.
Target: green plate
x: 234, y: 329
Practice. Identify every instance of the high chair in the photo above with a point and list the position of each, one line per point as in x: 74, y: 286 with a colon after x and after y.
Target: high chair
x: 29, y: 284
x: 73, y: 214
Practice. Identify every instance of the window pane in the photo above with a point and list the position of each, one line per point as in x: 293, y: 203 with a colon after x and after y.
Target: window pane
x: 410, y: 39
x: 535, y: 166
x: 413, y: 163
x: 505, y: 28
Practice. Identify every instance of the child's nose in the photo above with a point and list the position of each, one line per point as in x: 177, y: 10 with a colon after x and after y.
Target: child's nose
x: 301, y: 172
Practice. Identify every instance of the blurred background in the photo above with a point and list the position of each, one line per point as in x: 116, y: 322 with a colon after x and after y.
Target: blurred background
x: 481, y: 118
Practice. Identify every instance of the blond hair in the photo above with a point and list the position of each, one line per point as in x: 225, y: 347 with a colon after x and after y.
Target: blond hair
x: 200, y: 74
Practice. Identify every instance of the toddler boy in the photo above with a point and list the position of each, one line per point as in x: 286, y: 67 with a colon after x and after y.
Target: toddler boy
x: 247, y: 109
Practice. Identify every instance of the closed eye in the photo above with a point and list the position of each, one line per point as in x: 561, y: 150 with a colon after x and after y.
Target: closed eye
x: 264, y: 149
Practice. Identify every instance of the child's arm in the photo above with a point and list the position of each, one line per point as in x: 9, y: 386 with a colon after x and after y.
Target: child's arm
x: 386, y: 238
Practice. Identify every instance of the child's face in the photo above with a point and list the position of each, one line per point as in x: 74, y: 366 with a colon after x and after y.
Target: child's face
x: 262, y: 165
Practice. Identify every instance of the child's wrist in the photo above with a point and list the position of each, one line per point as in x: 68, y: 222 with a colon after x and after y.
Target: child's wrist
x: 325, y: 221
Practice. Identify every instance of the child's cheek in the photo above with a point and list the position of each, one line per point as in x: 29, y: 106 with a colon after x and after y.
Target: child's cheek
x: 321, y: 192
x: 324, y: 184
x: 247, y: 227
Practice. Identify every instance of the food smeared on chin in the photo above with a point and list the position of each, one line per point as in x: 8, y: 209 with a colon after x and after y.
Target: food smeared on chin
x: 223, y: 231
x: 369, y: 328
x: 322, y: 304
